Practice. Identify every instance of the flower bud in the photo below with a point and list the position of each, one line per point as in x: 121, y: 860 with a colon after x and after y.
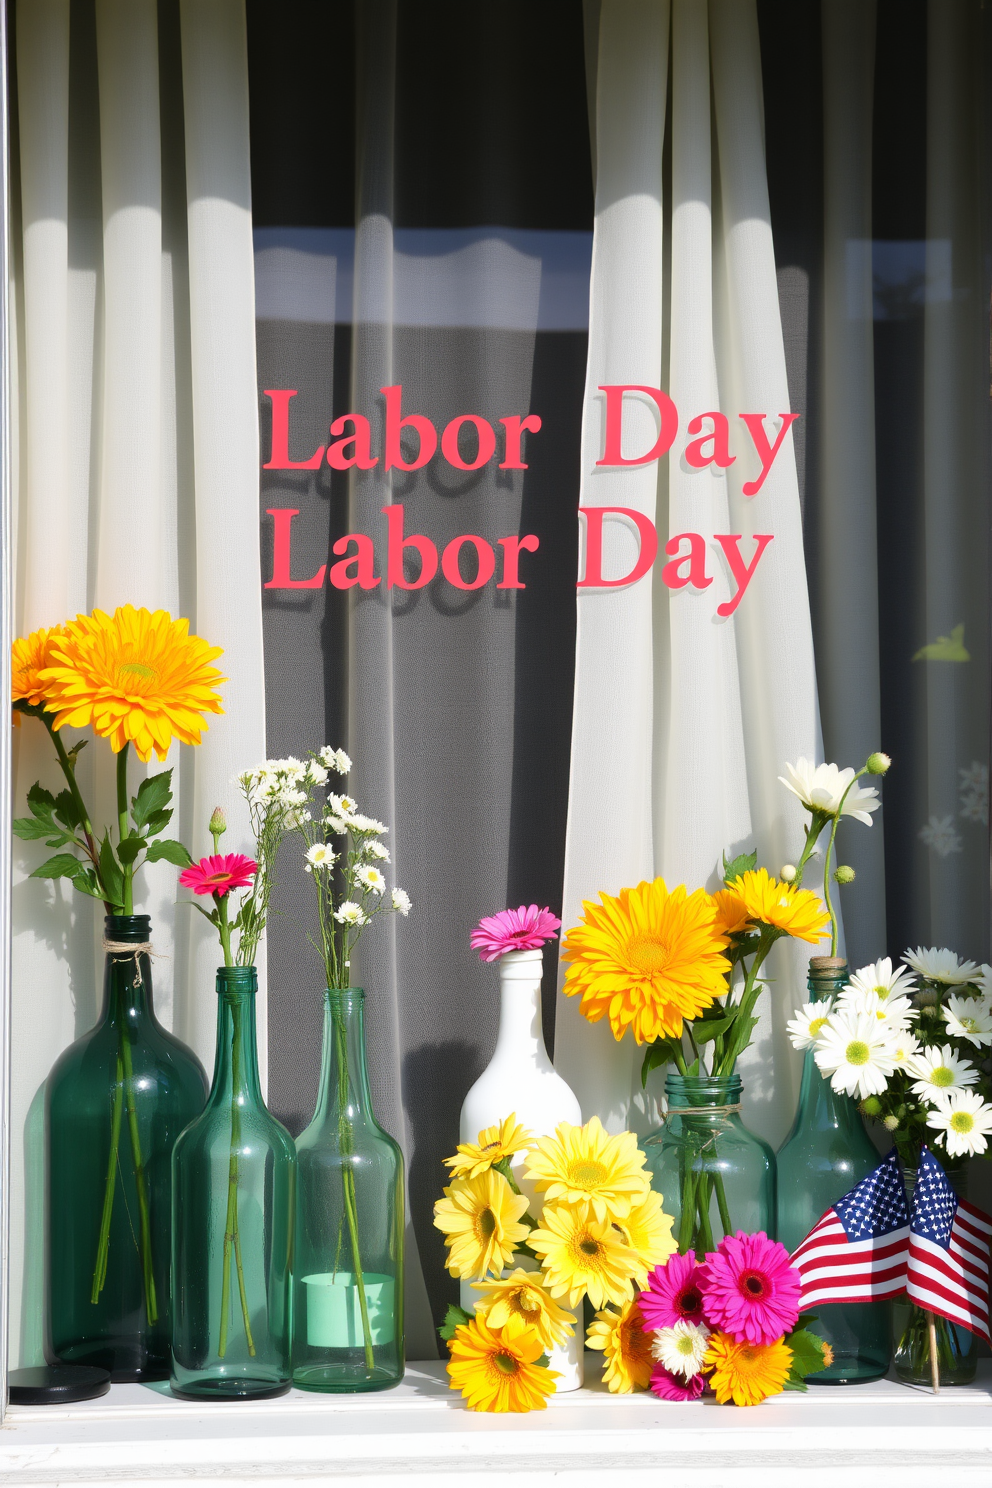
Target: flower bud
x: 877, y: 763
x: 844, y: 874
x: 891, y: 1123
x: 218, y: 823
x: 871, y: 1105
x: 787, y: 873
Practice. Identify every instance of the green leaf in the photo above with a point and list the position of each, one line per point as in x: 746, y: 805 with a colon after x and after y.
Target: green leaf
x: 171, y: 851
x: 157, y: 822
x: 454, y: 1318
x: 110, y: 872
x: 66, y: 810
x: 63, y: 865
x: 85, y: 882
x: 544, y: 1362
x: 705, y: 1029
x: 29, y: 827
x: 794, y: 1384
x: 130, y: 848
x: 154, y: 794
x: 743, y: 863
x: 41, y: 801
x: 655, y: 1055
x: 803, y: 1320
x: 807, y: 1355
x: 74, y: 753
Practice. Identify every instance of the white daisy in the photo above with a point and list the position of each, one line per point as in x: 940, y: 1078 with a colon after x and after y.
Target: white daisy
x: 879, y: 977
x: 984, y: 980
x: 316, y: 773
x: 401, y: 901
x: 336, y: 825
x: 941, y: 966
x: 857, y: 1053
x: 350, y: 913
x: 371, y: 879
x: 896, y: 1012
x: 937, y: 1071
x: 810, y: 1018
x: 344, y: 806
x: 821, y: 787
x: 359, y: 823
x: 321, y: 856
x: 335, y: 759
x: 904, y: 1046
x: 682, y: 1348
x: 369, y: 848
x: 965, y: 1120
x: 969, y: 1018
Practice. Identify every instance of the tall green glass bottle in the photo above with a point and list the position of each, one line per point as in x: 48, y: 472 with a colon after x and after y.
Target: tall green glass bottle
x: 826, y: 1153
x: 116, y: 1101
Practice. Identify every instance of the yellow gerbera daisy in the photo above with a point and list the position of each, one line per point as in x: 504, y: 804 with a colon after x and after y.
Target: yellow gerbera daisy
x: 792, y: 911
x: 647, y: 1229
x: 496, y: 1369
x: 626, y: 1345
x: 746, y: 1373
x: 583, y: 1255
x: 731, y: 915
x: 479, y: 1218
x: 585, y: 1162
x: 647, y: 959
x: 522, y: 1295
x: 136, y: 676
x: 494, y: 1144
x: 30, y: 655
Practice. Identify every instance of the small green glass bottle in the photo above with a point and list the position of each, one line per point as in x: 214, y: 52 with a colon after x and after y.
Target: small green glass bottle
x: 825, y: 1154
x: 234, y: 1171
x: 116, y: 1101
x: 348, y: 1266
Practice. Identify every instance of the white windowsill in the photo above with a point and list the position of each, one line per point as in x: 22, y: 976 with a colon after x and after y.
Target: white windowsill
x: 885, y: 1434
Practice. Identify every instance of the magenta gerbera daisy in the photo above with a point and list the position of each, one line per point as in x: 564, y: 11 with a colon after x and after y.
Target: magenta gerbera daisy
x: 219, y: 874
x: 674, y: 1293
x: 669, y: 1386
x: 523, y: 929
x: 750, y: 1289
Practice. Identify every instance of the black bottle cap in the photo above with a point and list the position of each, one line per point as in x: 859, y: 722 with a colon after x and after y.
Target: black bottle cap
x: 57, y: 1384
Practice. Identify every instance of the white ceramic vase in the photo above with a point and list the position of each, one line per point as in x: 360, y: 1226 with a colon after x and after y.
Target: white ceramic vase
x: 521, y: 1078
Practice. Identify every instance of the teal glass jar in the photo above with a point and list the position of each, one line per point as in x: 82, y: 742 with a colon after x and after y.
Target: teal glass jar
x: 116, y: 1100
x: 233, y: 1203
x: 917, y: 1331
x: 348, y: 1267
x: 825, y: 1154
x: 716, y: 1176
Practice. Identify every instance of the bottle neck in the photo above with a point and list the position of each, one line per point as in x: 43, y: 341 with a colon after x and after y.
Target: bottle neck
x: 819, y: 1104
x: 521, y: 1032
x: 127, y: 977
x: 344, y: 1078
x: 236, y: 1076
x: 703, y: 1098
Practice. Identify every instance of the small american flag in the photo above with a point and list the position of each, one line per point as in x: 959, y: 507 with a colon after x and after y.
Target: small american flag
x: 857, y: 1251
x: 948, y: 1266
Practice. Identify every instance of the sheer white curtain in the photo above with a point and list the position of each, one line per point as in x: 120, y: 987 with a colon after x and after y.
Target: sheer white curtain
x: 137, y: 472
x: 683, y: 720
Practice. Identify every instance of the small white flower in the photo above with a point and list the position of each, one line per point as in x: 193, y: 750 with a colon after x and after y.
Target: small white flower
x: 360, y: 823
x: 857, y: 1053
x: 937, y: 1071
x: 969, y: 1018
x: 881, y: 978
x: 321, y: 856
x: 681, y: 1349
x: 805, y: 1027
x: 401, y: 901
x: 345, y: 806
x: 905, y: 1046
x: 895, y: 1012
x: 821, y: 787
x: 939, y: 835
x: 371, y: 879
x: 335, y: 759
x: 941, y: 966
x: 316, y: 773
x: 965, y: 1120
x: 984, y: 980
x: 787, y: 872
x: 369, y: 848
x: 336, y: 825
x: 350, y: 913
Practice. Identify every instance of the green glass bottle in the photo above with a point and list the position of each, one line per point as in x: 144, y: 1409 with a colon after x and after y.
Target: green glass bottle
x: 116, y: 1101
x: 825, y: 1154
x: 348, y: 1265
x: 233, y: 1198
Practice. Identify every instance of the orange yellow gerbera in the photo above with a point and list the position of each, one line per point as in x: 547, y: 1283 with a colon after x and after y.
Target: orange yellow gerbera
x: 585, y: 1162
x: 647, y: 959
x: 136, y: 676
x: 731, y: 915
x: 796, y: 912
x: 746, y: 1373
x: 521, y: 1295
x: 479, y: 1218
x: 494, y: 1144
x: 581, y: 1254
x: 626, y: 1346
x: 30, y: 655
x: 647, y: 1229
x: 496, y: 1369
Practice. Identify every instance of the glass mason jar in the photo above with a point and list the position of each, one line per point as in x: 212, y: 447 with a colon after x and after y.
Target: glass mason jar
x: 716, y: 1177
x: 348, y: 1266
x: 825, y: 1154
x: 957, y: 1347
x: 116, y: 1100
x: 233, y: 1199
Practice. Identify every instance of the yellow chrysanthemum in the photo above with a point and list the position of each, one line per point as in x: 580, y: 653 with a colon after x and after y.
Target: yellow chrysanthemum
x: 647, y: 1229
x: 30, y: 655
x: 522, y: 1295
x: 746, y: 1373
x: 647, y: 959
x: 583, y: 1255
x: 796, y: 912
x: 585, y: 1162
x: 496, y: 1369
x: 494, y: 1144
x: 731, y: 915
x: 627, y: 1347
x: 479, y: 1218
x: 136, y: 676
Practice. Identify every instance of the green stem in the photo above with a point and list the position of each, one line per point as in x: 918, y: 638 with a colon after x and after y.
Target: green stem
x: 687, y: 1218
x: 826, y: 867
x: 703, y: 1193
x: 721, y: 1199
x: 151, y: 1303
x: 232, y: 1233
x: 103, y: 1245
x: 224, y: 927
x: 122, y: 828
x: 749, y: 996
x: 346, y: 1137
x: 70, y: 776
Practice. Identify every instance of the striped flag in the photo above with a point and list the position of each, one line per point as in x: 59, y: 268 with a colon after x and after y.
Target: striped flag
x: 948, y: 1267
x: 857, y: 1251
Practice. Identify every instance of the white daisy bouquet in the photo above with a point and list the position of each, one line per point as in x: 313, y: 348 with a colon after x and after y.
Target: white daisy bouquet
x: 912, y: 1045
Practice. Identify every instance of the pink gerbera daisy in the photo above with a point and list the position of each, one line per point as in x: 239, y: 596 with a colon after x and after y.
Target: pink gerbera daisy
x: 671, y: 1386
x: 750, y: 1289
x: 674, y: 1293
x: 219, y: 874
x: 523, y: 929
